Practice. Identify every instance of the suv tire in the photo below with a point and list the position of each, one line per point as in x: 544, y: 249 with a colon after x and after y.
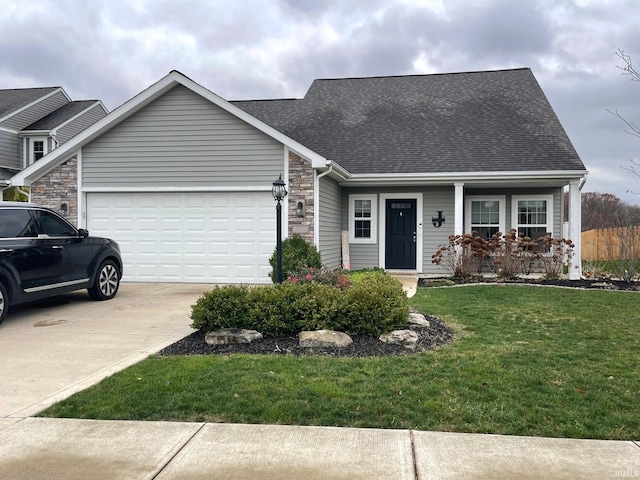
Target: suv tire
x: 4, y: 302
x: 106, y: 283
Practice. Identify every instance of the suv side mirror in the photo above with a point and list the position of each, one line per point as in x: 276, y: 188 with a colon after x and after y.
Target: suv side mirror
x: 83, y: 233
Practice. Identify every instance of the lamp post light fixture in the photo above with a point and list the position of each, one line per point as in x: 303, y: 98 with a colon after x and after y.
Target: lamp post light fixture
x: 279, y: 191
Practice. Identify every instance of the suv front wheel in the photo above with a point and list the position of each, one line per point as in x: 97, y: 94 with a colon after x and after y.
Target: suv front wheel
x: 106, y: 283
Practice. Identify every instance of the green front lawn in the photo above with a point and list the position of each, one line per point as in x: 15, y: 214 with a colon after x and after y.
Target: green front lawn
x: 527, y: 361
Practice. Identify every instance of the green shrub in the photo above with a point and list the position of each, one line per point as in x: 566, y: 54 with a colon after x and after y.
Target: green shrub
x: 222, y: 307
x: 375, y: 304
x: 356, y: 275
x: 297, y: 255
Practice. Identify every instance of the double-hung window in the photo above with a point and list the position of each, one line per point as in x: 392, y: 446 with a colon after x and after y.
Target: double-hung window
x: 532, y: 215
x: 38, y: 149
x: 363, y: 218
x: 485, y: 215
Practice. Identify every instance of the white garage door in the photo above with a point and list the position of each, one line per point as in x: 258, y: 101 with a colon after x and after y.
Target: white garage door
x: 188, y: 237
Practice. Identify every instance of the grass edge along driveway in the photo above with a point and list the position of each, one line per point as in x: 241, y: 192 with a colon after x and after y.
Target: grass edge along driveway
x: 527, y: 361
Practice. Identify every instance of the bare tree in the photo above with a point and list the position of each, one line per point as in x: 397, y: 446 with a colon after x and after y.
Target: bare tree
x: 604, y: 210
x: 632, y: 129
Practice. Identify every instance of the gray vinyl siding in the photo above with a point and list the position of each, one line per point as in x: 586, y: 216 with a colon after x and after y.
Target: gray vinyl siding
x: 10, y: 155
x: 36, y: 111
x: 330, y: 223
x: 80, y: 123
x: 435, y: 199
x: 182, y: 139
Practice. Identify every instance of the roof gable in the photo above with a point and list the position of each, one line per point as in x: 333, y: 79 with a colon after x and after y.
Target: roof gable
x: 461, y: 122
x: 138, y: 102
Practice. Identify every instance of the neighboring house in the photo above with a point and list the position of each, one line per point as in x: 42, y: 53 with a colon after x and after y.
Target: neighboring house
x: 36, y: 121
x: 181, y: 178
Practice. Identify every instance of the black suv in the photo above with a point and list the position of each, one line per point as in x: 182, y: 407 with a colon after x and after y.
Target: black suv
x: 43, y: 255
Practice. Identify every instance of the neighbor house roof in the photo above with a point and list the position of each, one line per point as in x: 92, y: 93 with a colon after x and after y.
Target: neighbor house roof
x: 61, y: 115
x: 16, y: 98
x: 459, y: 122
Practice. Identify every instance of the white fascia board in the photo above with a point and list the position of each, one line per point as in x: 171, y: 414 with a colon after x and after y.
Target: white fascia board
x: 337, y: 169
x: 447, y: 178
x: 34, y: 133
x: 124, y: 111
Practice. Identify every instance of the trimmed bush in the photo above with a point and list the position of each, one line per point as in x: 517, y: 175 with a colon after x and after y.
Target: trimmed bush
x: 376, y: 304
x: 223, y: 306
x: 297, y: 255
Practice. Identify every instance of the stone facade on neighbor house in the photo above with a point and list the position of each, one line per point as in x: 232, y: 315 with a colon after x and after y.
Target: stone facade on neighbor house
x: 300, y: 189
x: 58, y: 187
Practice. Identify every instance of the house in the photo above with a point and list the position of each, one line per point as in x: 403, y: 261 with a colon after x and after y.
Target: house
x: 379, y: 171
x: 35, y: 121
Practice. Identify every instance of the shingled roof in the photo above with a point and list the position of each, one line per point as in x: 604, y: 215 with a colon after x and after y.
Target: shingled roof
x: 16, y: 98
x: 459, y: 122
x: 61, y: 115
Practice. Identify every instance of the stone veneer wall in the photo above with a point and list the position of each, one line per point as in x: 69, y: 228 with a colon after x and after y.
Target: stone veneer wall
x: 300, y: 188
x: 59, y: 186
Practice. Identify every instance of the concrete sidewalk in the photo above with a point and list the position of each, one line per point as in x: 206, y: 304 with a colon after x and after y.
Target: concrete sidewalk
x: 51, y: 350
x: 40, y: 448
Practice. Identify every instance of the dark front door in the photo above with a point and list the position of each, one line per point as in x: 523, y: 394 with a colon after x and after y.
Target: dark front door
x: 400, y: 238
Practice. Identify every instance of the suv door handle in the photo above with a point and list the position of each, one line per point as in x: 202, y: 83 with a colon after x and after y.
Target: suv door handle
x: 58, y: 247
x: 8, y: 251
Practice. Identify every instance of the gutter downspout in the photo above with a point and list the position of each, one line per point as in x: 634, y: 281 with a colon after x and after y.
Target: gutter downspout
x: 316, y: 203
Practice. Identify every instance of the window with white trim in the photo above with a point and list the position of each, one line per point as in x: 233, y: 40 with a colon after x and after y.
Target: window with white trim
x: 38, y: 149
x: 485, y: 215
x: 363, y: 218
x: 532, y: 215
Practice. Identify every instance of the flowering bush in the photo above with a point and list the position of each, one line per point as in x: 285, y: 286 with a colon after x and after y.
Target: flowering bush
x: 508, y: 255
x: 297, y: 255
x: 323, y: 277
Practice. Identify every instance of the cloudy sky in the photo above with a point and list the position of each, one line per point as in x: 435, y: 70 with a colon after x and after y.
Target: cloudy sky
x: 248, y: 49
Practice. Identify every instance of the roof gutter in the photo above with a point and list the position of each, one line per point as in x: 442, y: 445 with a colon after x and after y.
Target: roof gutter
x: 447, y: 178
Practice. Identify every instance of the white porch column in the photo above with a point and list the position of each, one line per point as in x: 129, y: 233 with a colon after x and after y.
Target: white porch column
x: 459, y: 209
x: 575, y: 227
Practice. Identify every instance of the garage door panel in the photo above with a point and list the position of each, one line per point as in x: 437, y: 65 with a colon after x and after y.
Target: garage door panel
x: 190, y: 237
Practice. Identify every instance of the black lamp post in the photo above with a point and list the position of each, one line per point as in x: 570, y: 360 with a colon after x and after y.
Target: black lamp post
x: 279, y: 192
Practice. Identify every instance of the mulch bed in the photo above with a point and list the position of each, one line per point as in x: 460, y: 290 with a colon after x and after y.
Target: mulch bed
x: 363, y: 345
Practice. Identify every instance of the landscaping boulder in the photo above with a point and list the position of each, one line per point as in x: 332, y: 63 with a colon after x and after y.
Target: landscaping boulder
x: 406, y: 338
x: 226, y: 336
x: 324, y: 338
x: 416, y: 318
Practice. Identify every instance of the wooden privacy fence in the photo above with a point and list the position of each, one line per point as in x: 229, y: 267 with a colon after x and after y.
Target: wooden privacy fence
x: 621, y: 243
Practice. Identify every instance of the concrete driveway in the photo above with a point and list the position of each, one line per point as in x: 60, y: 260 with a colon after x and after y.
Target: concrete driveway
x: 55, y: 348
